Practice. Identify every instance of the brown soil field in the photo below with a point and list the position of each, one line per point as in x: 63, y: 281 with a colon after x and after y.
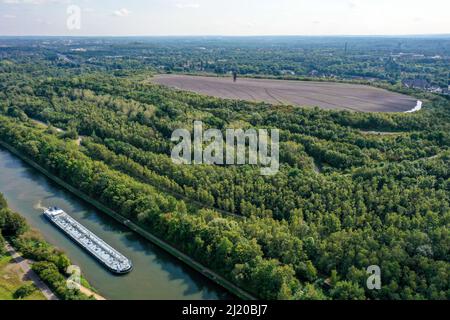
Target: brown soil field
x: 325, y: 95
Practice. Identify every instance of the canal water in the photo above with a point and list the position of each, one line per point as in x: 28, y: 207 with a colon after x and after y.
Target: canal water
x: 156, y: 274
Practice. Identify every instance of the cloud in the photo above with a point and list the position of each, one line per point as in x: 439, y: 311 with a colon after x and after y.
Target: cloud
x: 9, y: 16
x: 124, y: 12
x: 36, y: 2
x: 352, y: 5
x: 187, y: 5
x: 44, y: 22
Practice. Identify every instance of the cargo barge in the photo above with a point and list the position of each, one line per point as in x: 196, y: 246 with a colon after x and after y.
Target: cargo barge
x: 104, y: 253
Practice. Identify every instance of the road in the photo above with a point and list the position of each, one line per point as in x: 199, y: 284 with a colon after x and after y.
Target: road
x: 30, y: 274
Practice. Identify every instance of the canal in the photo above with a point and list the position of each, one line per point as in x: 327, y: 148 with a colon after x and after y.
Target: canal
x: 156, y: 274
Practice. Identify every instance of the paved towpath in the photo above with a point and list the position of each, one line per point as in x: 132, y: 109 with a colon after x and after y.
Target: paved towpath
x: 30, y: 274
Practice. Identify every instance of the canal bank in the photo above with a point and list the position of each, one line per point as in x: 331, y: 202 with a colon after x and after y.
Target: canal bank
x: 132, y: 226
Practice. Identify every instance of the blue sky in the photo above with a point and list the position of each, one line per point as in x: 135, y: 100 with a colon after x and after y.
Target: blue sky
x: 227, y: 17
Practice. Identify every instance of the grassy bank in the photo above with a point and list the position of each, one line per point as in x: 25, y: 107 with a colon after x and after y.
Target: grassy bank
x: 12, y: 279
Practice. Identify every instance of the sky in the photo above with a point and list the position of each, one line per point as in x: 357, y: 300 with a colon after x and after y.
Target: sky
x: 223, y: 17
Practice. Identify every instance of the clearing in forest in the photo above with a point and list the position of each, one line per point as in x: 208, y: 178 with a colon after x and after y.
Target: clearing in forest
x: 325, y: 95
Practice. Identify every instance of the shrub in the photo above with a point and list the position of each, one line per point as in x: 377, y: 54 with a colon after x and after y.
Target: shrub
x: 2, y: 244
x: 50, y: 274
x: 24, y: 291
x: 11, y: 223
x: 3, y: 203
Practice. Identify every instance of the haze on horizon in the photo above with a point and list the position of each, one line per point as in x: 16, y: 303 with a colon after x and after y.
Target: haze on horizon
x: 231, y: 17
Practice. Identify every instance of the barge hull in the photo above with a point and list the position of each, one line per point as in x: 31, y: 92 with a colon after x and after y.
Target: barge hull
x: 104, y: 253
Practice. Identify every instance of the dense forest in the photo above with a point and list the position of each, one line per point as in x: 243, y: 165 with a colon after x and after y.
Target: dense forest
x: 354, y: 189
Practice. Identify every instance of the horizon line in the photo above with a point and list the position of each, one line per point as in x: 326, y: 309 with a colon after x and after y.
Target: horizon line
x: 230, y: 36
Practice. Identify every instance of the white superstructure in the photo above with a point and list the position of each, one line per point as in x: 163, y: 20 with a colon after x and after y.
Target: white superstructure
x: 112, y: 259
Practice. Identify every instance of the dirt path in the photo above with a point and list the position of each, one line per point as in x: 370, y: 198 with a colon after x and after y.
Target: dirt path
x: 78, y: 141
x: 382, y: 133
x: 45, y: 124
x: 30, y: 274
x: 316, y: 167
x: 89, y: 293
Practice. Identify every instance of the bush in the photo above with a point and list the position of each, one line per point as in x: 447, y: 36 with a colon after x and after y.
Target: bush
x: 3, y: 203
x: 2, y: 244
x: 24, y: 291
x: 50, y: 274
x: 34, y: 248
x: 11, y: 223
x: 346, y: 290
